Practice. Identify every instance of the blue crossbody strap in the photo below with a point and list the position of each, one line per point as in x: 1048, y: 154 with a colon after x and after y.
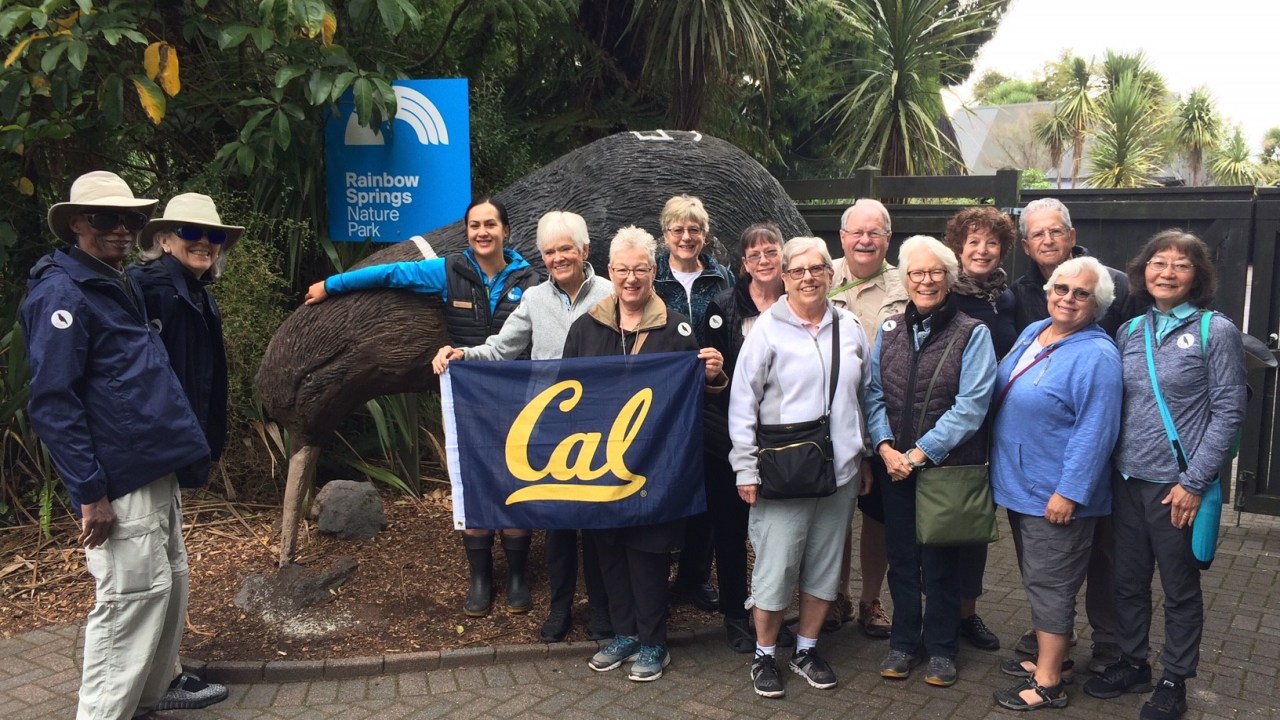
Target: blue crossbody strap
x: 1169, y: 429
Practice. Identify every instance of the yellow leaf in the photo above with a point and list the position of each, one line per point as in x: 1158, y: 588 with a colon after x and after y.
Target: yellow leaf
x: 150, y: 98
x: 22, y: 45
x: 330, y: 28
x: 66, y: 22
x: 39, y: 83
x: 460, y: 629
x: 25, y: 187
x: 160, y: 60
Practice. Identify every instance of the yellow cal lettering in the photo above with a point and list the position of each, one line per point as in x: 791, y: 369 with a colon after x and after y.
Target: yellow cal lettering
x: 572, y: 457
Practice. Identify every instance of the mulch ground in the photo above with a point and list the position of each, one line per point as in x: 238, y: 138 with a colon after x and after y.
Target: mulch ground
x: 405, y: 596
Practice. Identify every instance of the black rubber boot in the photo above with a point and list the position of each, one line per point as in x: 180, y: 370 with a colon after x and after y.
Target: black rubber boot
x: 516, y: 548
x: 480, y: 558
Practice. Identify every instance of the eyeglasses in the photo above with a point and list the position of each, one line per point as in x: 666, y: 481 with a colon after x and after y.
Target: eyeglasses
x: 918, y: 275
x: 1182, y: 267
x: 192, y: 233
x: 692, y: 231
x: 814, y: 270
x: 639, y: 273
x: 1080, y: 294
x: 107, y: 221
x: 1055, y: 233
x: 754, y: 258
x: 859, y: 234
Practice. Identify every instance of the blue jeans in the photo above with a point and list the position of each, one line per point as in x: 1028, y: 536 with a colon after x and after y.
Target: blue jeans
x: 914, y: 568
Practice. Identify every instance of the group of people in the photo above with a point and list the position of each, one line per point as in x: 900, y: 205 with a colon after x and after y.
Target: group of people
x: 1103, y: 402
x: 128, y: 391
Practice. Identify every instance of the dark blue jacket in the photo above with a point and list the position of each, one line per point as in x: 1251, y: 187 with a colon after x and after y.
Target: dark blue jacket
x: 190, y: 325
x: 103, y: 397
x: 999, y: 318
x: 714, y: 279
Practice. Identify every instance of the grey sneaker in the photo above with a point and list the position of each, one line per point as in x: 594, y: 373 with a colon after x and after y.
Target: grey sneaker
x: 765, y: 678
x: 897, y: 665
x: 188, y: 692
x: 619, y: 650
x: 808, y: 665
x: 941, y: 672
x: 649, y: 663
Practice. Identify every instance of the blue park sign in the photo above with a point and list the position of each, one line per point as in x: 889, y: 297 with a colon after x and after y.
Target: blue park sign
x: 406, y: 178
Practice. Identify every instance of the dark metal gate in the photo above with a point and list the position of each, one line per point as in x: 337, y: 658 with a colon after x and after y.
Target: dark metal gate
x: 1258, y: 471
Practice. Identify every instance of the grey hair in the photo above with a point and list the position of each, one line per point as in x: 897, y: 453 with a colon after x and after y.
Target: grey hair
x: 557, y: 223
x: 1104, y: 289
x: 945, y: 255
x: 632, y: 237
x: 155, y: 252
x: 1042, y: 205
x: 801, y: 245
x: 868, y: 203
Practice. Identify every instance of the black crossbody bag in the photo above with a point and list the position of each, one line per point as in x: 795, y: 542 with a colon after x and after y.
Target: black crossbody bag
x: 796, y: 460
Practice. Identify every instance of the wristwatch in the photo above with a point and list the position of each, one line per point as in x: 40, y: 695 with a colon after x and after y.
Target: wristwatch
x: 917, y: 464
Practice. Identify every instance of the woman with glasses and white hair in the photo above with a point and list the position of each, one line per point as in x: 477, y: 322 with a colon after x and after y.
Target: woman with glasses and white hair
x: 932, y: 371
x: 635, y: 561
x: 687, y: 279
x: 537, y: 327
x: 1056, y: 418
x: 784, y: 375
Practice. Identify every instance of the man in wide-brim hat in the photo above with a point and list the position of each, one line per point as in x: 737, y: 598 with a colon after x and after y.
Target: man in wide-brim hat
x: 120, y: 431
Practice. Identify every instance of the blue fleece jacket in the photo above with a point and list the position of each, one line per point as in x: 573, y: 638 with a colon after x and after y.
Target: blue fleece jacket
x: 1056, y: 426
x: 421, y: 276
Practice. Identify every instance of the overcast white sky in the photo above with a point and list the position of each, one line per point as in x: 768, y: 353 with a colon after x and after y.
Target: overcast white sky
x: 1229, y: 46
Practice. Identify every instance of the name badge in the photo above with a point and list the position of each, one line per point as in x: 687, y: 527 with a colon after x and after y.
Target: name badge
x: 462, y: 304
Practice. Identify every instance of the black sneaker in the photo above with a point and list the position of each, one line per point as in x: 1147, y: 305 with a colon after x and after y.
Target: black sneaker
x: 740, y: 636
x: 978, y: 634
x: 188, y: 692
x: 1104, y: 655
x: 765, y: 677
x: 808, y: 665
x: 556, y: 626
x: 1120, y: 678
x: 703, y: 596
x: 1168, y: 702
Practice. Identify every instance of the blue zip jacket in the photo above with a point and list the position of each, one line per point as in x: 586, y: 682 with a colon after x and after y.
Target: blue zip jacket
x: 103, y: 396
x: 714, y: 280
x: 421, y: 276
x: 1056, y: 427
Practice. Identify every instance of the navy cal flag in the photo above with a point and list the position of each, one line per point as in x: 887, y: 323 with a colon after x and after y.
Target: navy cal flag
x: 598, y: 442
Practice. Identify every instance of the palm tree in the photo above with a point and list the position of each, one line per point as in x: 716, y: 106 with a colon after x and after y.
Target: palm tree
x: 890, y: 118
x: 1078, y: 109
x: 694, y: 46
x: 1233, y: 164
x: 1124, y: 155
x: 1052, y: 131
x: 1271, y: 146
x: 1197, y: 128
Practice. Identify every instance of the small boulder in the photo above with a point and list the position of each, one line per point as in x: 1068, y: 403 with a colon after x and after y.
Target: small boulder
x: 348, y: 509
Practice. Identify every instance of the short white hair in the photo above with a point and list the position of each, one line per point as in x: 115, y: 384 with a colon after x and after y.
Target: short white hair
x: 801, y: 245
x: 944, y: 254
x: 632, y: 237
x: 868, y: 204
x: 1104, y: 290
x: 558, y: 223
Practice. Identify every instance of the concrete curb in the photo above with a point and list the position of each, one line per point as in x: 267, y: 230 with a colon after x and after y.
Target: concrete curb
x: 284, y: 671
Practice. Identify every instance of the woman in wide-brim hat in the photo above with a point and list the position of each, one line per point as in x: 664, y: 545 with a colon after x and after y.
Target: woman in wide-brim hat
x: 182, y: 252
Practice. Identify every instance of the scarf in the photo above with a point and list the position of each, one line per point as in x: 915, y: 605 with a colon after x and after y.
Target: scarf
x: 989, y: 288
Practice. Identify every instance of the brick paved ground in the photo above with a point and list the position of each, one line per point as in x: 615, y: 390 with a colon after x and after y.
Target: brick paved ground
x: 1239, y: 671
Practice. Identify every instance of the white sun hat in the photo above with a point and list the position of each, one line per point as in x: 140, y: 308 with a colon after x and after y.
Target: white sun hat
x: 189, y: 209
x: 97, y: 189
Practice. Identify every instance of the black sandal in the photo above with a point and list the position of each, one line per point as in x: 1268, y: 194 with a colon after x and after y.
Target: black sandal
x: 1054, y: 697
x: 1016, y: 666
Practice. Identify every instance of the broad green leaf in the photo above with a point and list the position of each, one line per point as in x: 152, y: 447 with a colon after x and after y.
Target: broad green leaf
x: 233, y: 35
x: 363, y: 90
x: 49, y: 61
x: 112, y: 36
x: 287, y: 73
x: 312, y: 14
x: 77, y: 53
x: 254, y: 121
x: 280, y: 129
x: 59, y: 89
x: 13, y: 19
x: 111, y: 99
x: 10, y: 96
x: 136, y: 36
x: 86, y: 6
x: 411, y: 13
x: 244, y: 158
x: 341, y: 84
x: 358, y: 10
x: 39, y: 18
x: 319, y: 86
x: 254, y: 102
x: 263, y: 38
x: 392, y: 15
x: 150, y: 97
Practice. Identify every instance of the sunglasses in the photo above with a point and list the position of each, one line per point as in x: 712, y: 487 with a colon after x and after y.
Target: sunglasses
x: 108, y: 221
x: 1079, y: 294
x: 192, y: 233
